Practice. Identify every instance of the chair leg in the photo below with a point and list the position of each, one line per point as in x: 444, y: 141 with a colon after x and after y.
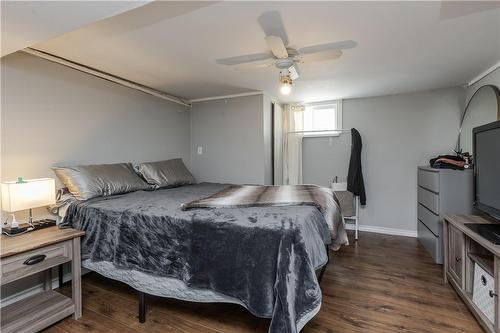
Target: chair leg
x: 142, y: 307
x: 356, y: 232
x: 357, y: 217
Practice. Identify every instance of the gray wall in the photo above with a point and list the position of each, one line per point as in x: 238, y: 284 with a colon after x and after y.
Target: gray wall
x: 482, y: 110
x: 268, y: 139
x: 323, y: 158
x: 234, y: 138
x: 55, y: 115
x: 399, y: 132
x: 278, y: 144
x: 492, y: 78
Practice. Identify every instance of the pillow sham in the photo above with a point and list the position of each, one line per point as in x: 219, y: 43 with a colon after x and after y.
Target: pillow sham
x: 170, y: 173
x: 90, y: 181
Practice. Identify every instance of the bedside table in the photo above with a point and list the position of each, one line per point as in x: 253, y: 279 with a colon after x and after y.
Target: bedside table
x: 34, y: 252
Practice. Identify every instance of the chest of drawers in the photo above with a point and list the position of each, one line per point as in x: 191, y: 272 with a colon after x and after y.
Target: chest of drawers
x: 440, y: 192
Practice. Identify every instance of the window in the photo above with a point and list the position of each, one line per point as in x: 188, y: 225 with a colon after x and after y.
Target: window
x: 323, y: 119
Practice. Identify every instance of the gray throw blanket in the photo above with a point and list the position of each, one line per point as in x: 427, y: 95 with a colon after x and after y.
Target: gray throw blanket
x: 241, y: 196
x: 263, y: 256
x: 63, y: 200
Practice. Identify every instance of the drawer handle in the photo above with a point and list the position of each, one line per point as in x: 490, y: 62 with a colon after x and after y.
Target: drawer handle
x: 458, y: 259
x: 492, y: 294
x: 483, y: 281
x: 35, y: 259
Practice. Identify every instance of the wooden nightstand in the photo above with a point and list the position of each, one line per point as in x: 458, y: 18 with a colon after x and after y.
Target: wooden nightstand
x: 35, y: 252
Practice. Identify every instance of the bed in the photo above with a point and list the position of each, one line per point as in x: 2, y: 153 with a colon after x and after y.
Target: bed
x: 263, y: 258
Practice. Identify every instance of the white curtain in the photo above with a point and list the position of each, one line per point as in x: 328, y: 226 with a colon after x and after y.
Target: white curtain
x: 293, y: 120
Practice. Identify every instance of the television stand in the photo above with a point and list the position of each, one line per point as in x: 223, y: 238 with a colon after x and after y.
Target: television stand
x: 463, y: 248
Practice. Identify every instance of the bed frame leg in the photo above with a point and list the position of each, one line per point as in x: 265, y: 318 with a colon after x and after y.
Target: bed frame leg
x: 323, y: 269
x: 142, y: 307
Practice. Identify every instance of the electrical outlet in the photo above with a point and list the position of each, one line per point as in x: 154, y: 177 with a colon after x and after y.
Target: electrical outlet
x: 200, y: 150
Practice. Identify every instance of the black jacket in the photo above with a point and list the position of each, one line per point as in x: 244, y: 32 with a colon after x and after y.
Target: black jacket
x: 355, y: 183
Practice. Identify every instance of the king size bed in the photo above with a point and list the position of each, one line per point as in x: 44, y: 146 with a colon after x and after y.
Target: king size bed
x: 257, y: 246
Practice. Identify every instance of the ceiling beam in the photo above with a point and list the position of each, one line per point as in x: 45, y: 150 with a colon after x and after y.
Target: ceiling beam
x: 212, y: 98
x: 483, y: 74
x: 106, y: 76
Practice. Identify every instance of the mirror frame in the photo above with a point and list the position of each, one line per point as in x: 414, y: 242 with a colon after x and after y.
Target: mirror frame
x: 497, y: 94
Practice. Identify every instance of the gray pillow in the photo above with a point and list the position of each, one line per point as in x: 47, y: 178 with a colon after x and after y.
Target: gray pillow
x: 90, y: 181
x: 169, y: 173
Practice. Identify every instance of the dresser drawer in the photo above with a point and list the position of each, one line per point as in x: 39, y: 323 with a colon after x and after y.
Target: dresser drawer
x: 430, y: 219
x: 431, y: 243
x: 428, y: 199
x: 428, y: 180
x: 31, y: 262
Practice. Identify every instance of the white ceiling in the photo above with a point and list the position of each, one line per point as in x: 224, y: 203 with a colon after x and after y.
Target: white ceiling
x: 402, y: 46
x: 25, y: 23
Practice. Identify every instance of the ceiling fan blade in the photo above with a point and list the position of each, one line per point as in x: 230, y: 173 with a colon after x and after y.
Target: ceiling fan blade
x: 342, y: 45
x: 277, y: 47
x: 294, y: 72
x: 249, y: 58
x: 255, y: 65
x: 321, y: 56
x: 272, y: 25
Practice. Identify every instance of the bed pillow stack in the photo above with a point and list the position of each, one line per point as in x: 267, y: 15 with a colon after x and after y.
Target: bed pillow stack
x: 90, y: 181
x: 170, y: 173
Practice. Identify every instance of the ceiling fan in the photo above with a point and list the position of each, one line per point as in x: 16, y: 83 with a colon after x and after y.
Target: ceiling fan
x: 283, y: 56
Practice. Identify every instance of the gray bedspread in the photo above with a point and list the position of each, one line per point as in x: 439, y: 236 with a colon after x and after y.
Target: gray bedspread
x: 263, y: 256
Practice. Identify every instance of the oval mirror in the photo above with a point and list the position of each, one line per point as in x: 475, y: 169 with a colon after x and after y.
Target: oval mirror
x: 482, y: 108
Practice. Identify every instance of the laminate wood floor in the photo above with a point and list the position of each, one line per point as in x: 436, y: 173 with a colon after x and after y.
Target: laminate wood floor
x: 379, y: 284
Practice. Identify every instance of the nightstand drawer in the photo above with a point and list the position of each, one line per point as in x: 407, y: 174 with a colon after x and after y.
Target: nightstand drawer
x: 31, y: 262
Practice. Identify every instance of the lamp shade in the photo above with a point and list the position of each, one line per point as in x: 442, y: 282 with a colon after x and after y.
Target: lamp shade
x: 28, y: 194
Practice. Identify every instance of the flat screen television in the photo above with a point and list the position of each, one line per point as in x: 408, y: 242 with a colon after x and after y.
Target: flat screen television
x: 486, y: 150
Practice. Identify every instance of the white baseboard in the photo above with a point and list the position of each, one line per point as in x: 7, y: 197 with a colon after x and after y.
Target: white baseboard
x: 383, y: 230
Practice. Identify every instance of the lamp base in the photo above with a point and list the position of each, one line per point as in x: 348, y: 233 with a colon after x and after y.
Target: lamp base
x: 23, y: 227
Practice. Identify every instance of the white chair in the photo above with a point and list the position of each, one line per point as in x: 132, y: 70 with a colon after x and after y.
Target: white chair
x: 342, y: 187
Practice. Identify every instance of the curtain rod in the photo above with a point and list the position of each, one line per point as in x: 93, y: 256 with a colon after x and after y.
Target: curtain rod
x: 320, y: 131
x: 105, y: 76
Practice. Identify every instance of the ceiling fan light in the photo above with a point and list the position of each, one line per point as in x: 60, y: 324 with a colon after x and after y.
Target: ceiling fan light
x: 286, y: 84
x: 285, y: 89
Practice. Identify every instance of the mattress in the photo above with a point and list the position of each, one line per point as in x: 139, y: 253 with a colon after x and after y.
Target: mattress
x: 263, y: 258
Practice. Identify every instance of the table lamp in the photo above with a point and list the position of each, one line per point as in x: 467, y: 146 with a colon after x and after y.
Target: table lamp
x: 27, y: 194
